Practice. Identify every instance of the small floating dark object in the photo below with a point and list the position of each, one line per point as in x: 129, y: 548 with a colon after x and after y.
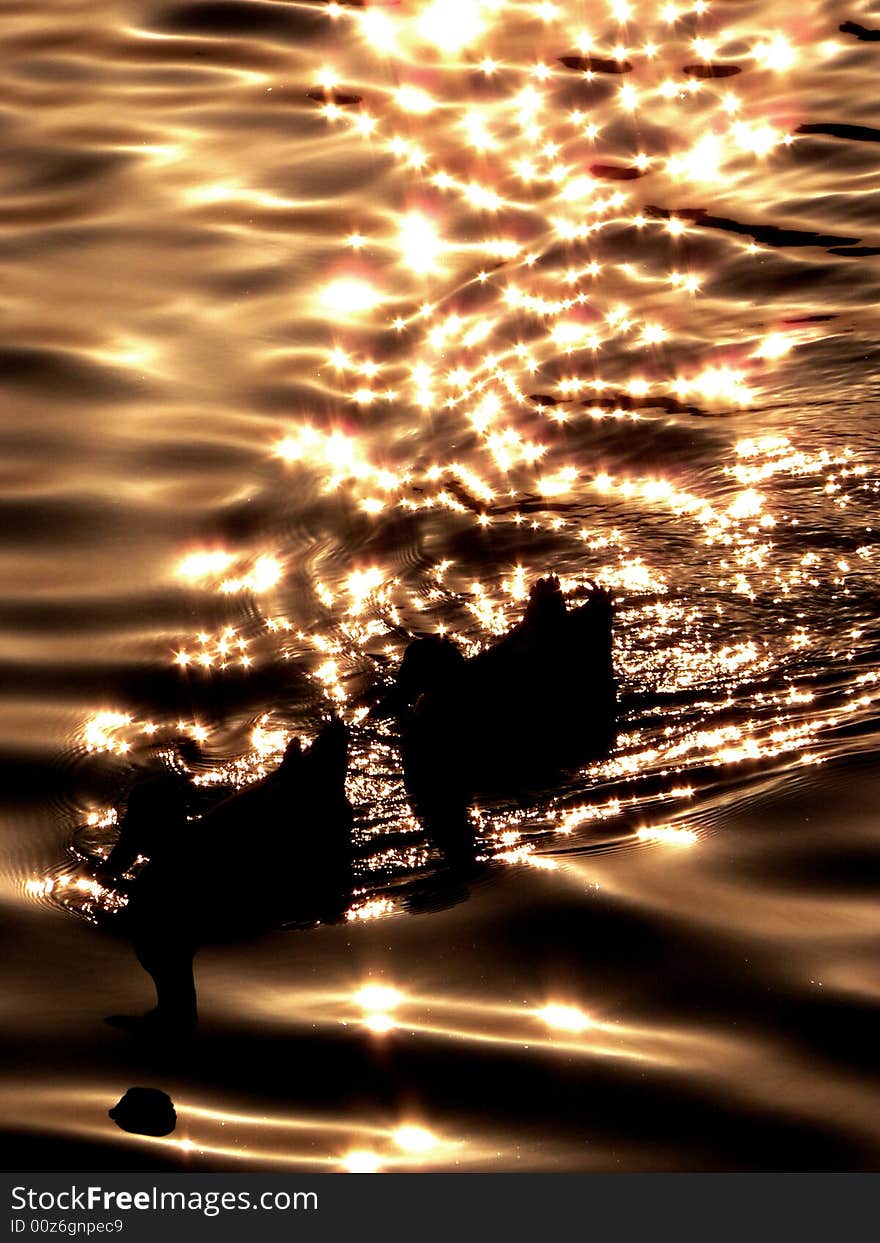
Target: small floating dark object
x: 334, y: 97
x: 711, y: 71
x: 543, y: 399
x: 145, y: 1111
x: 617, y: 172
x: 595, y: 64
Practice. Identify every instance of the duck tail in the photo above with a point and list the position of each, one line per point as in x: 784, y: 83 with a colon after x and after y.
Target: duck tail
x: 546, y: 601
x: 594, y: 622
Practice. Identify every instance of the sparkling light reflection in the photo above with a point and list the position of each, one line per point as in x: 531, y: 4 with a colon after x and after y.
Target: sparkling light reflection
x: 498, y: 338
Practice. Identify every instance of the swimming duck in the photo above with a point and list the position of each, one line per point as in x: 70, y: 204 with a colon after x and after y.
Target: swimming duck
x: 539, y: 701
x: 277, y: 850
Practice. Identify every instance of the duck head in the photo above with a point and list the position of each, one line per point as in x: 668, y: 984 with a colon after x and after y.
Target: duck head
x: 153, y: 824
x: 427, y: 663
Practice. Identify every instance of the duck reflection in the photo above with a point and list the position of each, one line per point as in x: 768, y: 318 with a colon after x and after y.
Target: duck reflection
x: 278, y: 850
x: 508, y: 721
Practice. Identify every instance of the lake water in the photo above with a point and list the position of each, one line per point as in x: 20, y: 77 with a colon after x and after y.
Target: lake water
x: 327, y: 325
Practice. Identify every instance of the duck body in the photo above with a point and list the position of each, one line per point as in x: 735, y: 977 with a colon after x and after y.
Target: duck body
x: 541, y: 700
x: 277, y: 851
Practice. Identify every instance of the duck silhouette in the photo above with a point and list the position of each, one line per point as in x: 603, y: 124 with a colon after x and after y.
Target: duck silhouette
x: 275, y: 851
x: 509, y: 720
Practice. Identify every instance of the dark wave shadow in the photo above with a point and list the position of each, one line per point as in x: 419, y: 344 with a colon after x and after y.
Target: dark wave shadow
x: 836, y: 129
x: 255, y: 18
x: 595, y: 64
x: 865, y: 34
x: 767, y: 234
x: 57, y: 373
x: 712, y: 71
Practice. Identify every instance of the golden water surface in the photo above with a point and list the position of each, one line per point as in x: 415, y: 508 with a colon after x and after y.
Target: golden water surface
x: 324, y: 325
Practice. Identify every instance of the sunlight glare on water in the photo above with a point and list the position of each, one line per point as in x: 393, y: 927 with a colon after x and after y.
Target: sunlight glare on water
x: 332, y: 324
